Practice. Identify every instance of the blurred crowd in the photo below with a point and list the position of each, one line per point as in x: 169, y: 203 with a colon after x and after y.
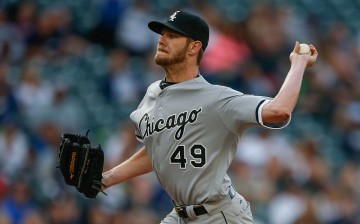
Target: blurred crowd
x: 74, y: 65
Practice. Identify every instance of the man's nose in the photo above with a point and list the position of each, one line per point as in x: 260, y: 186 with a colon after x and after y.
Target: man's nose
x: 162, y: 40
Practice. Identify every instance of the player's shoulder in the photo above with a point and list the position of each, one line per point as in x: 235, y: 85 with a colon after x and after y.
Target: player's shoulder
x: 154, y: 85
x: 226, y: 91
x: 216, y: 90
x: 153, y: 88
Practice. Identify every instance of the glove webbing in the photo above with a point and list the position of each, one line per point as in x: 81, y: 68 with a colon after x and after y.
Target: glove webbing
x: 99, y: 189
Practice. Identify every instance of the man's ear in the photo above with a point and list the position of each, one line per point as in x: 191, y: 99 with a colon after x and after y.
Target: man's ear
x: 195, y: 47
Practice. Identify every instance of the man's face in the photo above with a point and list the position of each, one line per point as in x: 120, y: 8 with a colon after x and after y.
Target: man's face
x: 172, y: 48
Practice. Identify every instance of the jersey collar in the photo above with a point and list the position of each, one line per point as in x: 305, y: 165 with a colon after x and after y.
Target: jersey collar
x: 163, y: 84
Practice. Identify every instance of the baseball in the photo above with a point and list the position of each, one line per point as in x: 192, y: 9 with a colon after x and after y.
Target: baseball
x: 304, y: 49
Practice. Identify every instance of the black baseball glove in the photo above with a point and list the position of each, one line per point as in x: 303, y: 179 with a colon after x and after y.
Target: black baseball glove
x: 81, y: 164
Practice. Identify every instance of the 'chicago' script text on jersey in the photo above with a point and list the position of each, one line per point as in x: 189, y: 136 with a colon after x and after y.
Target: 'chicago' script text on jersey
x: 180, y: 120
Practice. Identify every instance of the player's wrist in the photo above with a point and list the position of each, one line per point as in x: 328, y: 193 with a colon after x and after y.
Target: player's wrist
x: 299, y: 61
x: 105, y: 182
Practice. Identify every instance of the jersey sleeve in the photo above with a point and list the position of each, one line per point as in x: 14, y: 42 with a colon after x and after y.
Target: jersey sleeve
x: 239, y: 111
x: 278, y: 125
x: 135, y: 120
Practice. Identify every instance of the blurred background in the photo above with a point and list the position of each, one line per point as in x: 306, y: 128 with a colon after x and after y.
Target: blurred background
x: 74, y: 65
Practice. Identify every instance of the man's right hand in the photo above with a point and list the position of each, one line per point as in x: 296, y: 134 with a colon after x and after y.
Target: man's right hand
x: 311, y: 58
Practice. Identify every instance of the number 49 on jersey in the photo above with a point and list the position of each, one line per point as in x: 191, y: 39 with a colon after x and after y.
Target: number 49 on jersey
x: 197, y: 156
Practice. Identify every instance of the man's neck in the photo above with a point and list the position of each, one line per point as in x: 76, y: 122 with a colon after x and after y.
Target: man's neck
x: 180, y: 73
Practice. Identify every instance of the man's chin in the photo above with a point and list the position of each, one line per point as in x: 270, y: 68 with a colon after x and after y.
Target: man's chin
x: 161, y: 60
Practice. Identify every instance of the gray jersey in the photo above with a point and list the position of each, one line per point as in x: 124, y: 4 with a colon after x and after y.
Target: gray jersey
x: 191, y: 131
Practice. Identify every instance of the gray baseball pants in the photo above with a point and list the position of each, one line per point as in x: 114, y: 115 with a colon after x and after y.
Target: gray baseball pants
x: 238, y: 212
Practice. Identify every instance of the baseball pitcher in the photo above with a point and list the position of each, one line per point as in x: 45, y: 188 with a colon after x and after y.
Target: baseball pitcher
x: 191, y: 128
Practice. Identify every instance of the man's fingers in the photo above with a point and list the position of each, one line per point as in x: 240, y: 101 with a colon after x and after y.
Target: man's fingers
x: 313, y: 50
x: 297, y: 47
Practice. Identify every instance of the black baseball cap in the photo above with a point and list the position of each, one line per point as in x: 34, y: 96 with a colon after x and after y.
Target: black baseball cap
x: 184, y: 23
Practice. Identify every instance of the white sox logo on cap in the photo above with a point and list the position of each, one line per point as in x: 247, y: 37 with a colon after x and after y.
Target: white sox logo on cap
x: 173, y: 16
x: 186, y: 24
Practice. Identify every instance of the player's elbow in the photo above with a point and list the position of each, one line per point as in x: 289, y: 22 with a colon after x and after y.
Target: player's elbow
x: 282, y: 116
x: 274, y: 115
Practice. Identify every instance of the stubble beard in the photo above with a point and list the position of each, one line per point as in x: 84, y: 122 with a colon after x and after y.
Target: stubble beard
x: 171, y: 60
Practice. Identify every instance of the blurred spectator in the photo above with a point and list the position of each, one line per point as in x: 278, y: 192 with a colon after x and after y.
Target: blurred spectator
x: 47, y: 178
x: 337, y: 202
x: 14, y: 149
x: 19, y: 204
x: 111, y: 13
x: 227, y: 52
x: 35, y: 217
x: 309, y: 215
x: 4, y: 185
x: 139, y: 216
x: 131, y: 32
x: 8, y: 103
x: 64, y: 209
x: 143, y: 205
x: 33, y: 92
x: 318, y: 169
x: 258, y: 149
x: 52, y: 28
x: 100, y: 215
x: 117, y: 148
x: 253, y: 80
x: 287, y: 207
x: 12, y: 46
x: 120, y: 145
x: 265, y: 36
x: 65, y: 112
x: 26, y: 16
x: 120, y: 84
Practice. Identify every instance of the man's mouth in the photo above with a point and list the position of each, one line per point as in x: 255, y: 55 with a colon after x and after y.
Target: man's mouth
x: 161, y: 50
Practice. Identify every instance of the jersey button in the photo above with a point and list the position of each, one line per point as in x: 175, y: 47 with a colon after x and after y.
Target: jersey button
x: 160, y: 108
